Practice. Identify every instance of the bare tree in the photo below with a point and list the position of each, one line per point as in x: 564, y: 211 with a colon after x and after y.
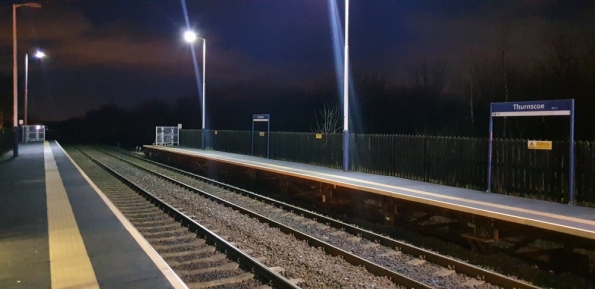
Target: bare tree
x: 328, y: 120
x: 503, y: 32
x: 471, y: 108
x: 429, y: 81
x: 430, y: 76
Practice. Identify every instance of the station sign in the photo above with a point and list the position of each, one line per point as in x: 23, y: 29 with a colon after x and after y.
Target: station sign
x: 532, y: 108
x: 561, y: 107
x: 260, y: 117
x: 539, y: 145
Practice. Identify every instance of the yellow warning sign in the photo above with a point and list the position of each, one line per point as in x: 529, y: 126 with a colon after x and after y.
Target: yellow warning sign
x: 539, y: 145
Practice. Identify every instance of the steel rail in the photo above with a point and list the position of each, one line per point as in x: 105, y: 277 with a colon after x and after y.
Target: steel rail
x: 233, y: 253
x: 438, y: 259
x: 373, y: 268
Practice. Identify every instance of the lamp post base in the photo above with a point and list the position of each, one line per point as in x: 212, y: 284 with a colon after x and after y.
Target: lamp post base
x: 345, y: 150
x: 15, y: 139
x: 202, y: 138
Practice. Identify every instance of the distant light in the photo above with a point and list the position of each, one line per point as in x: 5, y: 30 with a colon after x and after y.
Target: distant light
x: 39, y: 54
x: 190, y: 36
x: 37, y: 127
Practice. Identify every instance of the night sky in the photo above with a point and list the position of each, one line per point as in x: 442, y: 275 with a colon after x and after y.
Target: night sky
x: 129, y: 52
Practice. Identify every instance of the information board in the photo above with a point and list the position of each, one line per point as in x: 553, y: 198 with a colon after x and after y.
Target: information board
x: 261, y: 118
x: 562, y: 107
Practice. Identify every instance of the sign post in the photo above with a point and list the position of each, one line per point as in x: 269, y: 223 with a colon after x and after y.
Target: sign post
x: 261, y: 118
x: 535, y: 108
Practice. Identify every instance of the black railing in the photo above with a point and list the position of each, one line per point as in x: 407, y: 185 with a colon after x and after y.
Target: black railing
x: 6, y: 140
x: 451, y: 161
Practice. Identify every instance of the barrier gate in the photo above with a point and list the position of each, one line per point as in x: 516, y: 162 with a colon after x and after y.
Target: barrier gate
x: 33, y: 133
x: 167, y: 135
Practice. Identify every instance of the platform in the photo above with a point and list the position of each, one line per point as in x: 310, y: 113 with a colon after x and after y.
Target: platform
x: 560, y: 218
x: 58, y: 230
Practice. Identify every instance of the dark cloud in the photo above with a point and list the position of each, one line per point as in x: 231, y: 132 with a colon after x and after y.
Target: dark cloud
x: 75, y: 43
x: 130, y: 51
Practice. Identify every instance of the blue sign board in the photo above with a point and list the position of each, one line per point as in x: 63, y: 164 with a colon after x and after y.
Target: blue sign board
x: 260, y: 117
x: 535, y: 108
x: 532, y: 108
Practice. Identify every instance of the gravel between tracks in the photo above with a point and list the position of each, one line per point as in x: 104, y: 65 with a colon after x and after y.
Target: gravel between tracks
x: 297, y: 258
x: 431, y: 274
x: 499, y: 262
x: 183, y: 251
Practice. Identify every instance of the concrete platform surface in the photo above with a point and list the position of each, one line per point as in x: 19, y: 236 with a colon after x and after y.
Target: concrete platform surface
x: 58, y: 230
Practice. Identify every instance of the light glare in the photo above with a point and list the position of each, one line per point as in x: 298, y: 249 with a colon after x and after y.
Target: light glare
x: 190, y: 36
x: 39, y: 54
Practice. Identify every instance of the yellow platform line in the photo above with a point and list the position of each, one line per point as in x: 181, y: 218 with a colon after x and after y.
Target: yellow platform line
x: 70, y: 266
x: 169, y: 274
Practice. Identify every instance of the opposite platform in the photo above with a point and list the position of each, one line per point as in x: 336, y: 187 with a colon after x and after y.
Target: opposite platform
x: 58, y: 230
x: 573, y: 220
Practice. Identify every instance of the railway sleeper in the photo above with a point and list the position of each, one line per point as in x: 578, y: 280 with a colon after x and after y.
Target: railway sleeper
x: 165, y: 232
x: 226, y: 267
x: 227, y: 281
x: 156, y: 229
x: 213, y: 258
x: 149, y: 221
x: 197, y: 251
x: 164, y: 249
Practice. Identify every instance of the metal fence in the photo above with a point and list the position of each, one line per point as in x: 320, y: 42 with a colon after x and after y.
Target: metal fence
x: 166, y: 135
x: 460, y: 162
x: 33, y: 133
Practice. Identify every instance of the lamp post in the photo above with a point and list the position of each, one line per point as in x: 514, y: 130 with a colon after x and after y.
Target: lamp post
x: 37, y: 54
x: 191, y: 37
x: 346, y: 92
x: 15, y: 150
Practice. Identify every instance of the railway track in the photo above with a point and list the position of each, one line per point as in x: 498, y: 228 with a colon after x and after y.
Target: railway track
x: 205, y: 262
x: 404, y: 264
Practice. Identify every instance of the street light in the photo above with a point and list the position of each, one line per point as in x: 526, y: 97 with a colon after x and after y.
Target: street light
x: 191, y: 37
x: 346, y: 92
x: 38, y: 54
x: 15, y: 150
